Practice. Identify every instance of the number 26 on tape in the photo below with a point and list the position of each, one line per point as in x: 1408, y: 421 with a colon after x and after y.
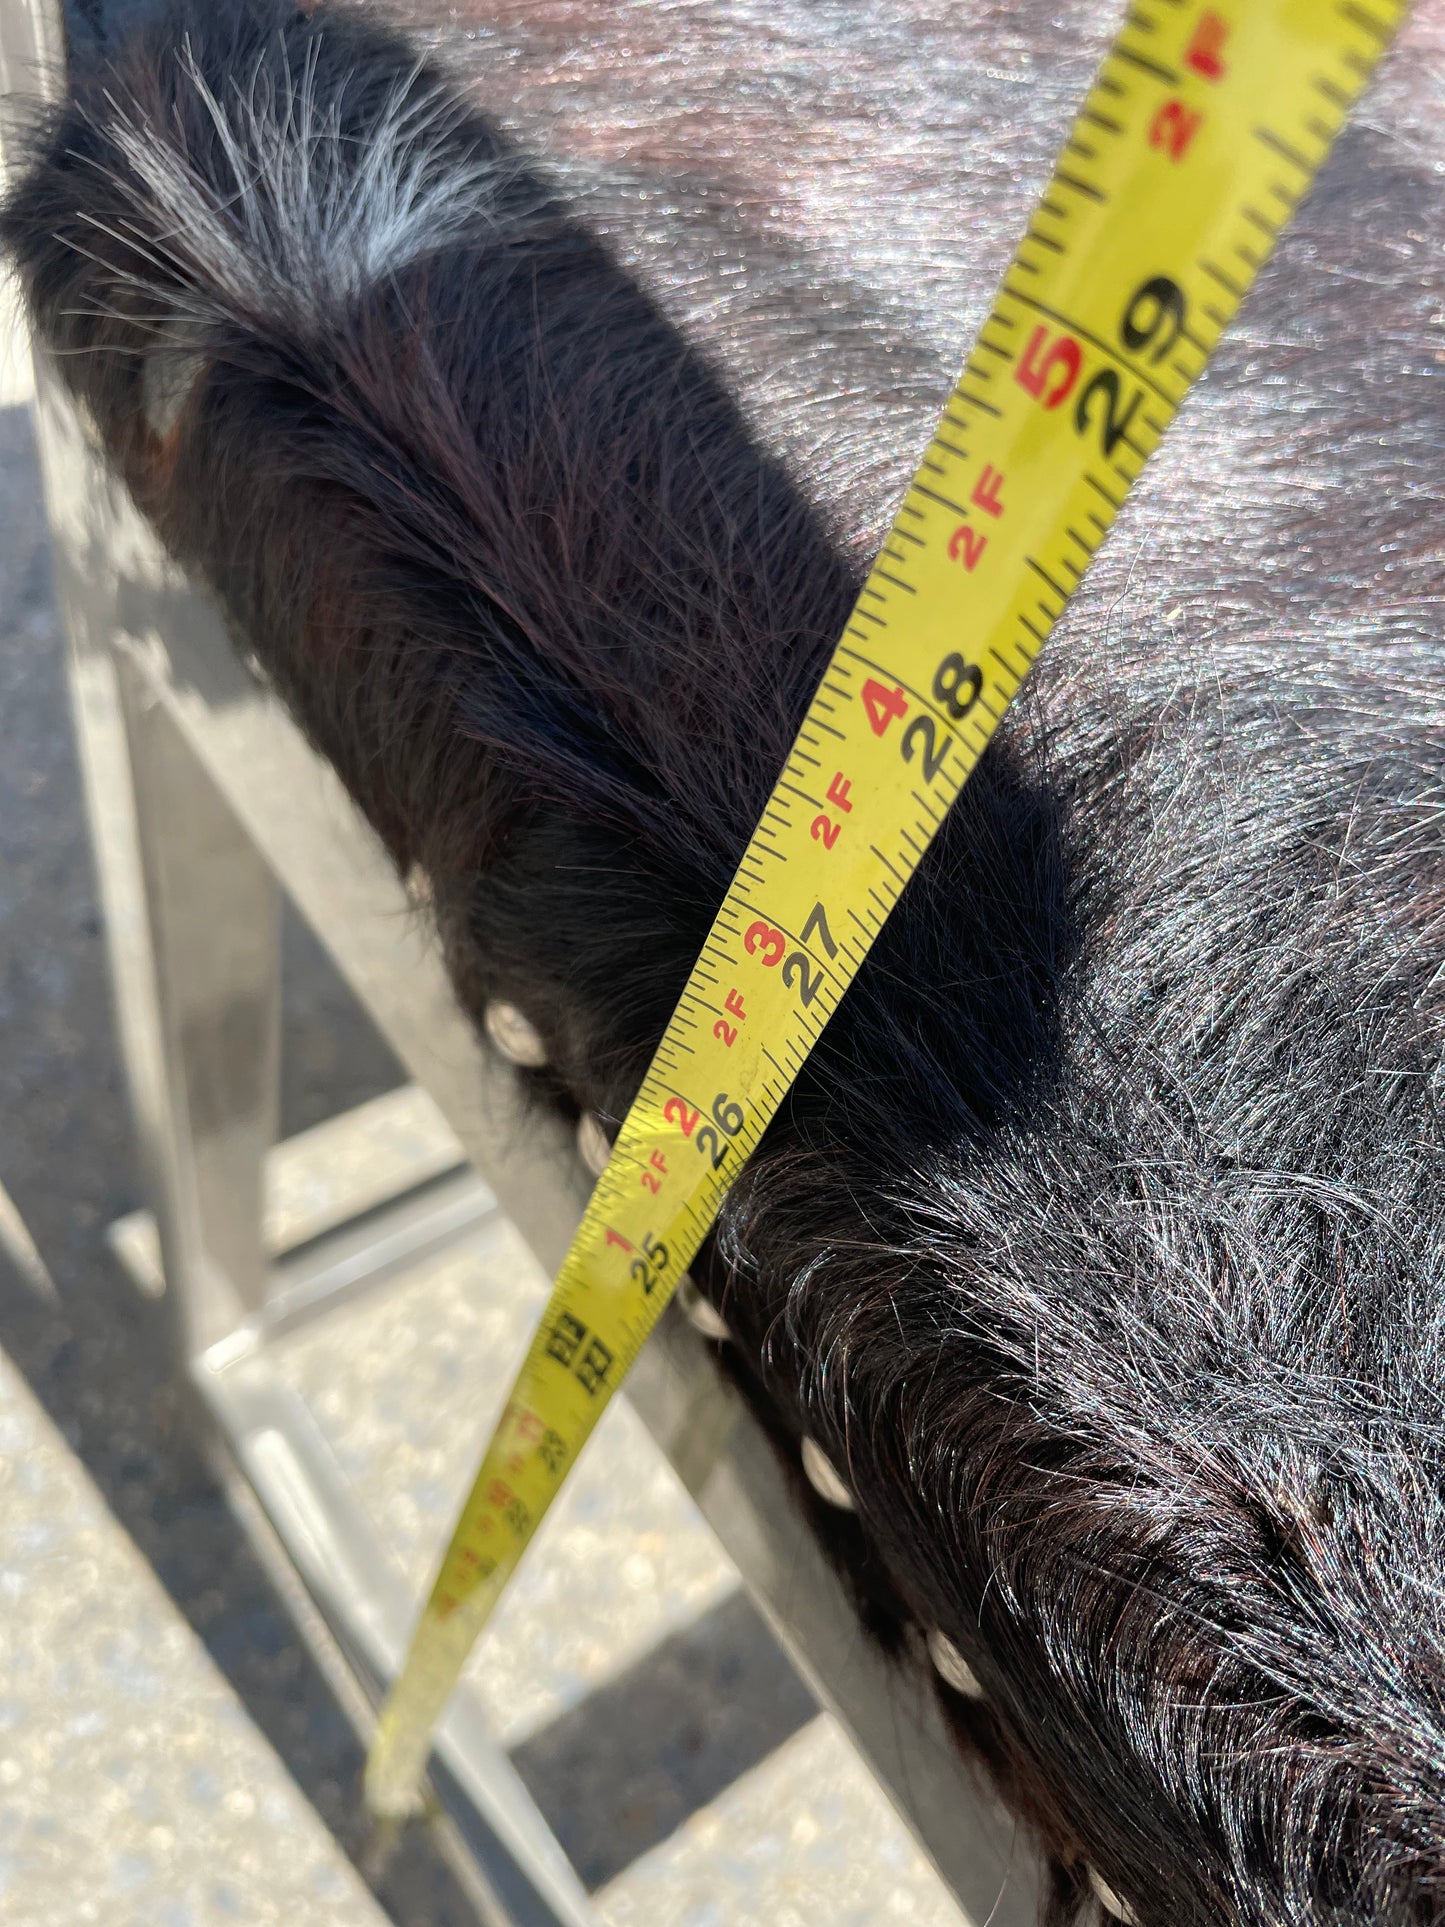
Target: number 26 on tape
x: 727, y: 1116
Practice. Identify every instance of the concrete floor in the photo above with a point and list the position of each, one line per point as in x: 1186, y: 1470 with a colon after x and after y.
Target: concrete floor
x: 169, y: 1754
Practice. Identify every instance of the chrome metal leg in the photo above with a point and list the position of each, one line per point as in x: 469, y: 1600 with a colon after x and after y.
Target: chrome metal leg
x: 192, y: 924
x: 214, y: 912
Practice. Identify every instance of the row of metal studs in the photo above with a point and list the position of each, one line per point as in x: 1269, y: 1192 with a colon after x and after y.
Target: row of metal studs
x: 519, y: 1041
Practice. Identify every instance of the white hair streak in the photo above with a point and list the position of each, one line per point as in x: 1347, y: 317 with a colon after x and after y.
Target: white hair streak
x: 305, y: 217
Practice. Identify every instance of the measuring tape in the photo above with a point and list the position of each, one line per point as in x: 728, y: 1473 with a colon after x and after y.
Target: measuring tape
x: 1204, y: 128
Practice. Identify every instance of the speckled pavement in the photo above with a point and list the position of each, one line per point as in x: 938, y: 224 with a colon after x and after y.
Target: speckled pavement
x: 170, y: 1756
x: 133, y: 1786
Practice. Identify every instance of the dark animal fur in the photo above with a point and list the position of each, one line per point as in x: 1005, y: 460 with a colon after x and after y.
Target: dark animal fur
x: 1103, y: 1241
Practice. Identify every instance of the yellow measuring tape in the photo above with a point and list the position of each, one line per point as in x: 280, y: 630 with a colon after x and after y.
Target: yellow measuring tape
x: 1203, y: 130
